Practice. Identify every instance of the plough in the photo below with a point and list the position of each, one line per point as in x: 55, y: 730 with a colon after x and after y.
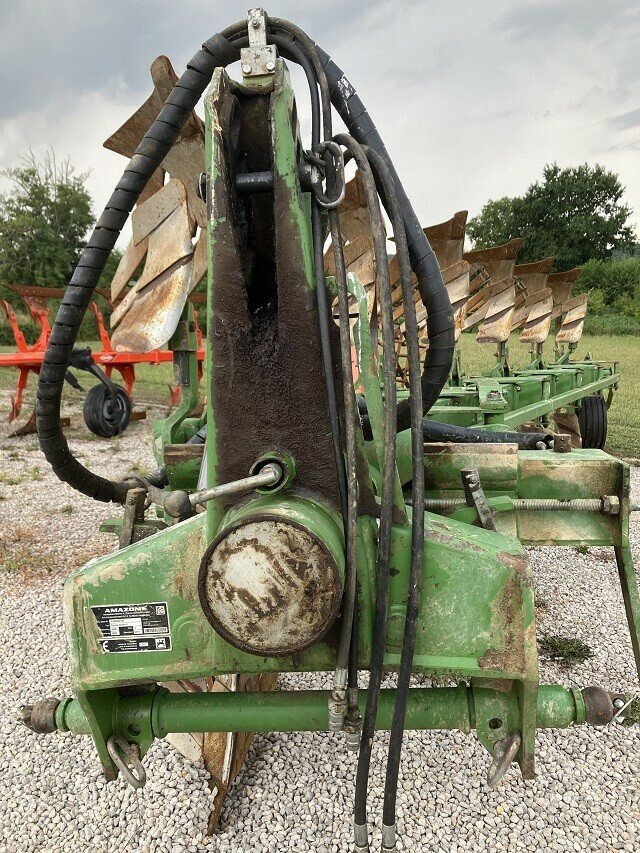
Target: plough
x: 107, y: 406
x: 490, y: 293
x: 307, y: 522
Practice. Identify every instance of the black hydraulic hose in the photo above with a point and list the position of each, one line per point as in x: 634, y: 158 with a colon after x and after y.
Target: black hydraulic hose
x: 309, y: 48
x: 436, y: 431
x: 219, y: 51
x: 416, y: 569
x: 440, y: 324
x: 388, y: 476
x: 154, y: 146
x: 350, y: 414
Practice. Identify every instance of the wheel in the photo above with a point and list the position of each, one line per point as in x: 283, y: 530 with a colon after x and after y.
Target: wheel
x: 592, y: 417
x: 104, y: 416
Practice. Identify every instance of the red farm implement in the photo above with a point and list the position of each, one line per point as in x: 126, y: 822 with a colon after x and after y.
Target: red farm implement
x: 107, y: 406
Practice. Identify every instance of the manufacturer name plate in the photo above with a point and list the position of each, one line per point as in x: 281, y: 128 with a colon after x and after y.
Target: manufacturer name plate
x: 133, y: 627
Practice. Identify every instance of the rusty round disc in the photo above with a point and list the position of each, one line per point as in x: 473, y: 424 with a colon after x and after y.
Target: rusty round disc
x: 269, y: 586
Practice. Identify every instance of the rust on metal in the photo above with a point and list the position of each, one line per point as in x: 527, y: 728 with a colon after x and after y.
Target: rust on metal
x: 495, y: 263
x: 456, y: 281
x: 269, y: 586
x: 538, y: 308
x: 354, y: 214
x: 185, y: 160
x: 498, y: 313
x: 147, y: 217
x: 129, y: 262
x: 574, y: 313
x: 508, y: 654
x: 533, y: 277
x: 447, y: 239
x: 149, y: 313
x: 560, y: 284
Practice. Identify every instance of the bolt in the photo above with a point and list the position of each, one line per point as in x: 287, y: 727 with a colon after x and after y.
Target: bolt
x: 178, y: 505
x: 271, y: 66
x: 41, y: 717
x: 246, y: 69
x: 255, y: 23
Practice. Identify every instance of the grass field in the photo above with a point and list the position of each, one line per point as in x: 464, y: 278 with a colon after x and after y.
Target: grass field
x: 624, y: 416
x: 152, y: 385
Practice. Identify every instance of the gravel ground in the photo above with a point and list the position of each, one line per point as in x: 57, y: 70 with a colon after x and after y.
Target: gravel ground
x: 296, y: 790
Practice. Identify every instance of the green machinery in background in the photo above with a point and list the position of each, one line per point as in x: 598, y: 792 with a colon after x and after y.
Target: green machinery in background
x: 493, y: 295
x: 299, y: 527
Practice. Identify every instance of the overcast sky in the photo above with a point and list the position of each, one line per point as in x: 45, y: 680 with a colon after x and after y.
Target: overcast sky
x: 472, y: 97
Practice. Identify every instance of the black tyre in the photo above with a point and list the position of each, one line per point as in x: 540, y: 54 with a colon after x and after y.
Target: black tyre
x: 592, y: 417
x: 103, y: 415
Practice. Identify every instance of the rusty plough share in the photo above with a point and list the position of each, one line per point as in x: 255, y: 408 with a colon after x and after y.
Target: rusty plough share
x: 316, y: 516
x: 100, y: 416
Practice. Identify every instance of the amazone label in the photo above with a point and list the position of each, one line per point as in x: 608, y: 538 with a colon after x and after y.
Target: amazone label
x: 133, y: 627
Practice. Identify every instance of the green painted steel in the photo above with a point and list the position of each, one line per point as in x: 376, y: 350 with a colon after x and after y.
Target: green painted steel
x: 306, y: 710
x: 525, y: 397
x: 477, y: 616
x: 466, y: 604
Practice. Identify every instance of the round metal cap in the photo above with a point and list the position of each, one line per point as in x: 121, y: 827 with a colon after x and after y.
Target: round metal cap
x: 269, y: 586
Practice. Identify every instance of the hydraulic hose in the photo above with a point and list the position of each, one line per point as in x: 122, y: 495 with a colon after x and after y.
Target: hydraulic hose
x: 388, y: 474
x: 392, y: 205
x: 219, y: 51
x: 154, y: 146
x: 436, y: 431
x: 440, y: 323
x: 350, y: 415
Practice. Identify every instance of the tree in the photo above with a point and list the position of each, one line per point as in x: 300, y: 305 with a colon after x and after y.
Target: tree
x: 44, y: 220
x: 574, y: 214
x: 493, y: 225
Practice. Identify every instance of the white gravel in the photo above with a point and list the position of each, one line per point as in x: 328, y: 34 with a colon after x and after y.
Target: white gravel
x: 296, y: 791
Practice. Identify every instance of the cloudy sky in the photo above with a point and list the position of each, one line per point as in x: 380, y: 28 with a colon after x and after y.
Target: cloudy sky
x: 472, y: 97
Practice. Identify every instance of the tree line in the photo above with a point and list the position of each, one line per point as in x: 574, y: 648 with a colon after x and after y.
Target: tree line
x: 579, y: 216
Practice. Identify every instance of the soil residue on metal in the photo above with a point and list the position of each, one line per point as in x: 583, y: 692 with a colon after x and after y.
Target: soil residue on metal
x: 268, y: 390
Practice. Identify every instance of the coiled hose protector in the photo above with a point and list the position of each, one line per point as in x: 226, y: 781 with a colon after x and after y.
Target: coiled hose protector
x: 216, y: 52
x: 440, y: 323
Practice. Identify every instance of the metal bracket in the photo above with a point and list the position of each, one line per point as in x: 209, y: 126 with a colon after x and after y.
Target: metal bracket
x: 133, y: 515
x: 475, y: 497
x: 81, y: 359
x: 259, y: 59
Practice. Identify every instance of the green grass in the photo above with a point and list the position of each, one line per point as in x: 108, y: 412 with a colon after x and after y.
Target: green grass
x: 632, y: 714
x: 565, y: 650
x: 152, y: 381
